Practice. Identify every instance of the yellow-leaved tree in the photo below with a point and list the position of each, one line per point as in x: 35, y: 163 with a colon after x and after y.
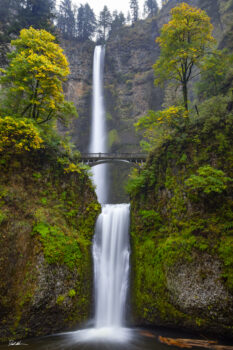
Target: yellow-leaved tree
x: 33, y: 80
x: 184, y: 41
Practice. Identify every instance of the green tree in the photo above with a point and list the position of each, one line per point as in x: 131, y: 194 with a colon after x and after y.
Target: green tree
x: 37, y: 13
x: 18, y: 14
x: 66, y: 19
x: 104, y: 24
x: 86, y: 22
x: 33, y: 81
x: 6, y: 18
x: 134, y: 10
x: 151, y: 7
x: 183, y: 42
x: 117, y: 22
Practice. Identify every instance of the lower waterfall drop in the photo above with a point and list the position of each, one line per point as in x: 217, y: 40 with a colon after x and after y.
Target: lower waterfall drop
x: 111, y: 265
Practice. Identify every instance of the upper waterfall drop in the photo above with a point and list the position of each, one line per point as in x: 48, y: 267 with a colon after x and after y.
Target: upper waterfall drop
x: 98, y: 126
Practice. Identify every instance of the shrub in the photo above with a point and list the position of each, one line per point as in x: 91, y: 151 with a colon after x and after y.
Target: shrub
x: 209, y: 180
x: 18, y: 135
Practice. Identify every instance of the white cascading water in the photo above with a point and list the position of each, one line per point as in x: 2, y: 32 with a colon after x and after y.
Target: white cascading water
x: 111, y: 242
x: 98, y: 129
x: 111, y: 265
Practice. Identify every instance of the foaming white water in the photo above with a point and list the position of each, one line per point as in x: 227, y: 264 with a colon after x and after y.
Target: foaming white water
x: 98, y: 127
x: 104, y: 334
x: 111, y: 265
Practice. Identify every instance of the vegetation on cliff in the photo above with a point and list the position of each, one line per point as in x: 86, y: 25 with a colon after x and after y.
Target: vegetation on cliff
x: 182, y: 206
x: 48, y: 211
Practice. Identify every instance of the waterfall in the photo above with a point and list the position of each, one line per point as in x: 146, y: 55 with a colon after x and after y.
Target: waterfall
x: 111, y: 264
x: 111, y: 241
x: 98, y: 127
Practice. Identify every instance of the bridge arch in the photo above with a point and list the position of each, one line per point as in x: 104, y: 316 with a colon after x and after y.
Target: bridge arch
x: 112, y: 161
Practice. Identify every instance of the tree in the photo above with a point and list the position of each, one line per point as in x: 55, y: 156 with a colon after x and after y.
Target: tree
x: 216, y: 74
x: 104, y: 24
x: 86, y: 22
x: 117, y: 22
x: 66, y: 19
x: 183, y: 42
x: 128, y: 18
x: 36, y: 13
x: 151, y: 7
x: 159, y: 126
x: 18, y: 14
x: 33, y: 80
x: 6, y: 17
x: 134, y: 10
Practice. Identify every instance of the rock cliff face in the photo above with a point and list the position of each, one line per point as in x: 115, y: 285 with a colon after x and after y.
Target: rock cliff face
x: 47, y: 221
x: 78, y: 88
x: 129, y: 79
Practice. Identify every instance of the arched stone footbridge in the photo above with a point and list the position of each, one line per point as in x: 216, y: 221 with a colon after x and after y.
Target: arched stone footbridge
x: 93, y: 159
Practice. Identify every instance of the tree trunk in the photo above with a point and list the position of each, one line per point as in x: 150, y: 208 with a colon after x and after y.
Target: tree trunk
x: 185, y: 95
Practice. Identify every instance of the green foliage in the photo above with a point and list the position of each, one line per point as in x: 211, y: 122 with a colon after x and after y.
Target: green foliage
x: 72, y: 293
x: 3, y: 216
x: 104, y: 24
x: 34, y: 77
x: 209, y: 180
x: 18, y: 135
x: 86, y: 22
x: 216, y: 74
x: 60, y: 299
x: 159, y: 126
x: 113, y: 138
x: 226, y: 254
x: 59, y: 247
x: 150, y: 7
x: 136, y: 181
x: 150, y: 218
x: 134, y: 10
x: 16, y: 15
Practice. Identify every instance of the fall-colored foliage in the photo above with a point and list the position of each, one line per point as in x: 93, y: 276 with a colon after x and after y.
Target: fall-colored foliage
x: 18, y: 135
x: 183, y: 42
x: 33, y: 80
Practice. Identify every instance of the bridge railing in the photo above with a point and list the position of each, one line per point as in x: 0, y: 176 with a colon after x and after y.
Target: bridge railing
x: 100, y: 155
